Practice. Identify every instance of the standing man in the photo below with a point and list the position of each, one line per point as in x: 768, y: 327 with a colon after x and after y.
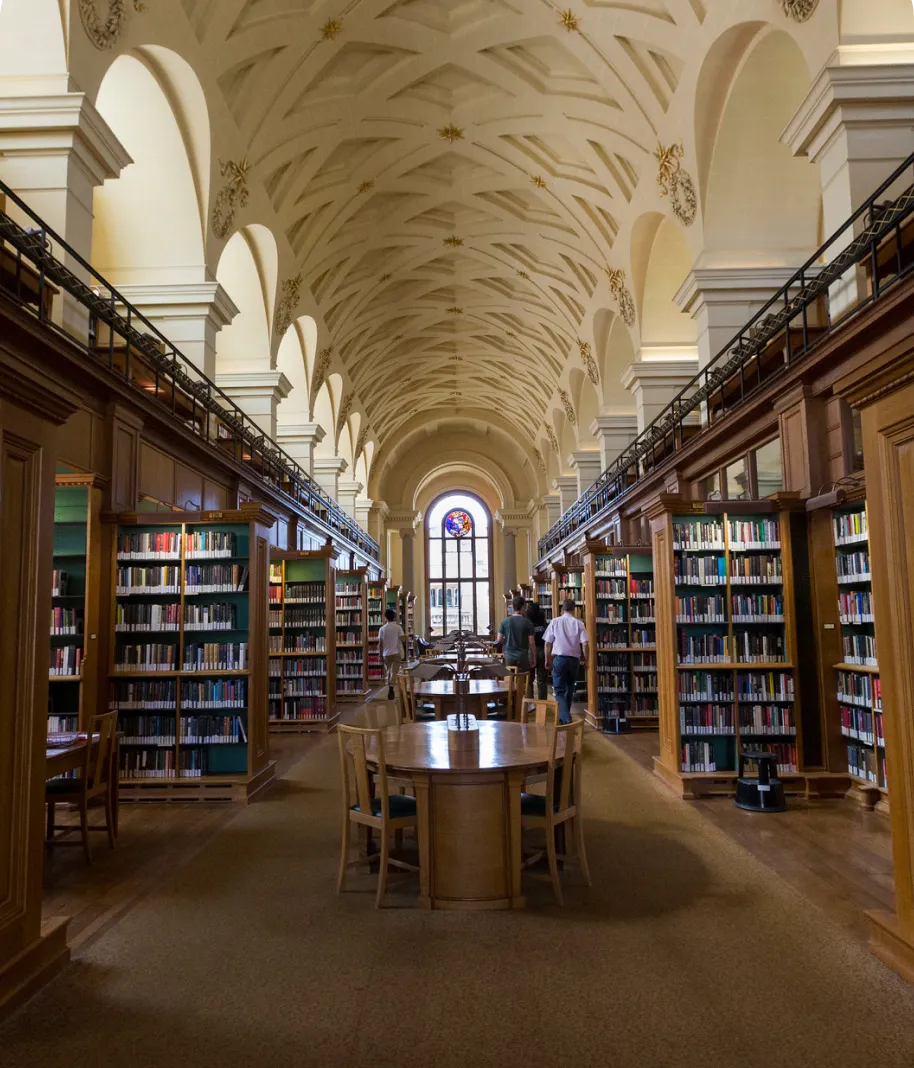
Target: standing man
x: 566, y: 646
x: 538, y: 668
x: 392, y: 644
x: 515, y: 636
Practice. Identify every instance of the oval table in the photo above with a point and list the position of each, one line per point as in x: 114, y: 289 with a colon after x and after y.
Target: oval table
x: 441, y: 694
x: 469, y: 809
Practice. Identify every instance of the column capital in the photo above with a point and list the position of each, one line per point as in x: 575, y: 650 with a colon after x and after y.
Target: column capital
x: 659, y: 373
x: 404, y: 521
x: 564, y: 482
x: 621, y: 421
x: 513, y: 518
x: 309, y: 434
x: 860, y: 85
x: 354, y: 488
x: 181, y: 300
x: 254, y: 383
x: 330, y: 465
x: 736, y: 285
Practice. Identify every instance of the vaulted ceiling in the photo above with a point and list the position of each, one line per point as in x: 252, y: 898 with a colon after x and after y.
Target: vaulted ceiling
x: 449, y: 173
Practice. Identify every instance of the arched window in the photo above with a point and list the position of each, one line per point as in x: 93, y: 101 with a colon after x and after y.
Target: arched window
x: 459, y: 568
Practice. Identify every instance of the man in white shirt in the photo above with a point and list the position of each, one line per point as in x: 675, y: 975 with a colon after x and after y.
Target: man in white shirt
x: 392, y: 647
x: 567, y: 645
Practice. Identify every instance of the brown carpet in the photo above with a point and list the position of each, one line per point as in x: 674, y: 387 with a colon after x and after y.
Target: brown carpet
x: 686, y: 952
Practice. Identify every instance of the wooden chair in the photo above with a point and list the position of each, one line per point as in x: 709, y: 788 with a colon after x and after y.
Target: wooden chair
x: 383, y: 811
x: 560, y: 805
x: 96, y: 781
x: 543, y: 712
x: 518, y: 696
x: 407, y: 702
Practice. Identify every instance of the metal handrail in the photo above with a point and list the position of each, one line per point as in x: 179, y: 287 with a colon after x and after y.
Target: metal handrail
x: 731, y: 371
x: 214, y: 416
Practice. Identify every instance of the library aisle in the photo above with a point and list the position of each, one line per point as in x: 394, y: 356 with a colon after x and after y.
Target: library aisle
x: 686, y: 951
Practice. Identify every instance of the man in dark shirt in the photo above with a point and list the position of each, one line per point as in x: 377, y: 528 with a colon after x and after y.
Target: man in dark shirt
x: 537, y: 617
x: 515, y: 636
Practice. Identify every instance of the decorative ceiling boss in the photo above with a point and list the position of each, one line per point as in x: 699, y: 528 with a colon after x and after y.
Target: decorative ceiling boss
x: 622, y: 295
x: 569, y: 20
x: 331, y: 29
x: 104, y: 32
x: 799, y: 10
x: 451, y: 133
x: 675, y: 182
x: 232, y: 196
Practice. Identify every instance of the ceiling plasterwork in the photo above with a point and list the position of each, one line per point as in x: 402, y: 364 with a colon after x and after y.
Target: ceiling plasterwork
x: 450, y: 174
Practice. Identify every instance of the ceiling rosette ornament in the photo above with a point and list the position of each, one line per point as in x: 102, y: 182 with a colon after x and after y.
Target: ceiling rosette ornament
x: 568, y: 407
x: 103, y: 32
x: 799, y: 10
x: 621, y: 294
x: 232, y: 196
x: 675, y: 183
x: 291, y: 290
x: 587, y: 359
x: 553, y: 440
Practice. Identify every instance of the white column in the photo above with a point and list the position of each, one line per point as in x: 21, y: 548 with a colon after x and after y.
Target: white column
x: 566, y: 486
x: 55, y: 150
x: 723, y: 299
x: 189, y: 314
x: 375, y: 525
x: 587, y: 466
x: 614, y: 433
x: 654, y: 383
x: 408, y: 545
x: 346, y: 495
x: 857, y: 124
x: 552, y: 502
x: 257, y: 394
x: 510, y: 555
x: 299, y: 441
x: 327, y: 471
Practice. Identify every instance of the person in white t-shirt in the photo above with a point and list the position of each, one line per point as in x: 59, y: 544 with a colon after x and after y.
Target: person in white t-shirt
x: 392, y: 646
x: 566, y: 644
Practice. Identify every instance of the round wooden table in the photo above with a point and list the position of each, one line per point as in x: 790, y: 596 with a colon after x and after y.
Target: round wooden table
x: 442, y: 695
x: 469, y: 809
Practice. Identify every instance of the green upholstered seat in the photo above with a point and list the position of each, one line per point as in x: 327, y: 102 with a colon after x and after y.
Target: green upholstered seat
x: 400, y: 806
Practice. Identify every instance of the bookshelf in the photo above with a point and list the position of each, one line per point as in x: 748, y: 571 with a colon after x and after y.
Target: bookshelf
x: 622, y: 682
x: 731, y: 629
x: 543, y: 594
x: 189, y: 653
x: 377, y: 602
x: 857, y: 686
x: 302, y: 641
x: 570, y: 583
x: 351, y: 635
x: 74, y: 620
x: 412, y: 649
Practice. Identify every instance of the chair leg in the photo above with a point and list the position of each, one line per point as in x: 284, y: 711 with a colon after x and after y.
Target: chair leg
x: 50, y: 828
x: 382, y: 871
x: 84, y: 827
x: 579, y: 848
x: 553, y: 863
x: 109, y: 819
x: 344, y: 857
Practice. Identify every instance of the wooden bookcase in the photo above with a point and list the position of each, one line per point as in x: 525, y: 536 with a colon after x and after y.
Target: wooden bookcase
x: 74, y: 623
x: 569, y: 582
x: 188, y: 655
x: 409, y: 627
x: 377, y: 602
x: 351, y: 635
x: 302, y: 641
x: 544, y: 595
x: 729, y: 639
x: 622, y: 673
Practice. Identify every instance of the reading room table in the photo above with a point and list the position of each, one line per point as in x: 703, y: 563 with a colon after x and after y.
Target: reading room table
x: 468, y: 804
x: 67, y: 752
x: 442, y: 694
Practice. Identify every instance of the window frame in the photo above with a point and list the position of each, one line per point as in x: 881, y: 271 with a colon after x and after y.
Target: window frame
x: 443, y: 581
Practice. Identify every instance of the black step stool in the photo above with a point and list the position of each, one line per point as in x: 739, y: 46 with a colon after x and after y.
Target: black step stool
x: 763, y: 792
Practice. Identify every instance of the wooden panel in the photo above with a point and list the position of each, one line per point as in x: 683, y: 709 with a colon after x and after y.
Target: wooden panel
x: 839, y: 438
x: 215, y: 496
x: 125, y: 457
x: 77, y: 441
x: 665, y: 615
x: 258, y: 631
x: 188, y: 488
x: 157, y: 474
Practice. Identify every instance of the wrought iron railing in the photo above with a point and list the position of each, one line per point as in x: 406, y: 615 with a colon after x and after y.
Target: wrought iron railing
x: 865, y: 258
x: 74, y: 300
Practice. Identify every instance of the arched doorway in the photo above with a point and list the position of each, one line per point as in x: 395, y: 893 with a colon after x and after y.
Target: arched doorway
x: 459, y: 552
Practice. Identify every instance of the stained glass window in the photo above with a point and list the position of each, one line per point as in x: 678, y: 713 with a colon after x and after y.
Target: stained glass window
x: 459, y: 593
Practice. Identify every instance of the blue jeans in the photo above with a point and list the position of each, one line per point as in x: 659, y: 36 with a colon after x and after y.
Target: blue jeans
x: 564, y: 678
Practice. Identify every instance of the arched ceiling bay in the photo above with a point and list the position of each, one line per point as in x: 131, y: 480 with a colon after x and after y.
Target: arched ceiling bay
x: 449, y: 173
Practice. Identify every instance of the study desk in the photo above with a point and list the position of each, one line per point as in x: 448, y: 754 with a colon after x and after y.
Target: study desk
x: 442, y: 694
x: 469, y: 809
x: 67, y: 752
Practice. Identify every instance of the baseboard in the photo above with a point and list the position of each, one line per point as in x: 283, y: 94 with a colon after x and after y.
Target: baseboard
x: 890, y: 944
x: 34, y: 966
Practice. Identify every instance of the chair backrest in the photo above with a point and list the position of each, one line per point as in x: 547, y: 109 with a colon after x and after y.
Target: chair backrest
x: 101, y: 761
x: 569, y: 790
x: 354, y: 744
x: 543, y: 712
x: 406, y: 697
x: 516, y: 711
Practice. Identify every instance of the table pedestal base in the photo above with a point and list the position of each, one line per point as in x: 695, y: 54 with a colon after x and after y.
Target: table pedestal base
x: 470, y: 839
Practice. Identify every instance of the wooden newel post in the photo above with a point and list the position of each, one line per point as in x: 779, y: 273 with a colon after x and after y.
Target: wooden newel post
x: 883, y: 390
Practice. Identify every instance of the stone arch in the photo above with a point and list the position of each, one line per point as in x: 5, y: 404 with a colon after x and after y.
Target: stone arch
x: 292, y: 361
x: 661, y: 260
x: 247, y: 271
x: 586, y: 404
x: 149, y: 224
x: 614, y: 352
x: 759, y: 200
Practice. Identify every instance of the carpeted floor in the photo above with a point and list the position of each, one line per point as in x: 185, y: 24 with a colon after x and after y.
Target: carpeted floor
x: 686, y: 952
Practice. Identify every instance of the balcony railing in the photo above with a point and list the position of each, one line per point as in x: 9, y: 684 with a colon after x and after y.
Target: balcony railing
x: 869, y: 254
x: 75, y: 301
